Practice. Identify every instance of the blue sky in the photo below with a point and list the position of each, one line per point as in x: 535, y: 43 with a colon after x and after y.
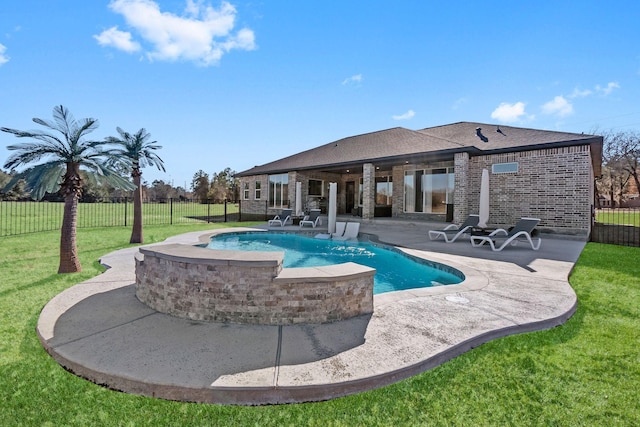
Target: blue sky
x: 238, y: 84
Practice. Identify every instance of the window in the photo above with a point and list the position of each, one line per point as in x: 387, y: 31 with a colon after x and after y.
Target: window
x: 315, y: 187
x: 504, y: 168
x: 279, y: 190
x: 245, y: 191
x: 384, y: 190
x: 428, y: 190
x: 258, y: 191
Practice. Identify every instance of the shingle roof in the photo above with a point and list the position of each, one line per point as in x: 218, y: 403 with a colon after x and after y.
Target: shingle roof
x: 393, y: 144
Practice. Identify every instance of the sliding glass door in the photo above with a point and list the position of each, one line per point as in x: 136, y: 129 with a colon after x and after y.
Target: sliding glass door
x: 428, y: 190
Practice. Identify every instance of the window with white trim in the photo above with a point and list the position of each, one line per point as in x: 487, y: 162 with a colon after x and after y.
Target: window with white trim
x: 497, y: 168
x: 279, y: 190
x: 245, y: 191
x: 258, y: 190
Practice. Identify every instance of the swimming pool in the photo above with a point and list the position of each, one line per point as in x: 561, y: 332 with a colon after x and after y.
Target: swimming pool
x: 395, y: 270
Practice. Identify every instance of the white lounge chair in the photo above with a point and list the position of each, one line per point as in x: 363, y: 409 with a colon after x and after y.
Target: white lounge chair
x: 350, y: 232
x: 313, y: 219
x: 451, y: 232
x: 340, y: 227
x: 522, y: 230
x: 282, y: 219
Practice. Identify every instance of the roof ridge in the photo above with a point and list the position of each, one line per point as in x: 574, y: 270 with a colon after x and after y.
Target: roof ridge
x: 422, y: 131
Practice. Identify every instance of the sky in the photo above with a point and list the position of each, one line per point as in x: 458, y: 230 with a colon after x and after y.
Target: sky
x: 242, y: 83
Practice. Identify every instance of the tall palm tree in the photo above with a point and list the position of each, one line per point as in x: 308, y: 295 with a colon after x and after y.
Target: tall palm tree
x: 135, y: 151
x: 61, y: 159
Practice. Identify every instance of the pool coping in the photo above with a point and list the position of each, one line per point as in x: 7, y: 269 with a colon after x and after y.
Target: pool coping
x: 410, y: 331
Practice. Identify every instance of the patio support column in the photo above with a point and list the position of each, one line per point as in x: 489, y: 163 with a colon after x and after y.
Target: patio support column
x: 461, y: 190
x: 368, y: 190
x: 293, y: 178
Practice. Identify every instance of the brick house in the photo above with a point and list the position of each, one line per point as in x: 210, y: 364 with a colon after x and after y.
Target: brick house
x: 434, y: 174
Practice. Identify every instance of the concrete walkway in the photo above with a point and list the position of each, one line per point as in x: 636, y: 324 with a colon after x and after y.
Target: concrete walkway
x: 100, y: 331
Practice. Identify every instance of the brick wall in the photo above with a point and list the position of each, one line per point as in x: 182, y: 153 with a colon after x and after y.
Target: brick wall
x: 249, y: 287
x: 554, y: 185
x: 252, y: 208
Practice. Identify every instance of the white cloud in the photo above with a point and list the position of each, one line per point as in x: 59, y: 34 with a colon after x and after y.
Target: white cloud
x: 3, y: 58
x: 203, y: 35
x: 406, y: 116
x: 355, y: 79
x: 509, y: 112
x: 607, y: 89
x: 577, y: 93
x: 459, y: 103
x: 119, y: 39
x: 558, y: 106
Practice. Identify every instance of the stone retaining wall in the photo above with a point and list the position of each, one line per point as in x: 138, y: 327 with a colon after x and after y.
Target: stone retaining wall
x: 249, y: 287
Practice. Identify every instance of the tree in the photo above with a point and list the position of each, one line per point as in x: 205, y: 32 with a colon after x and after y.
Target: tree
x: 18, y: 192
x: 62, y: 159
x: 621, y: 163
x: 628, y: 154
x: 222, y: 185
x: 200, y: 185
x: 134, y: 152
x: 161, y: 191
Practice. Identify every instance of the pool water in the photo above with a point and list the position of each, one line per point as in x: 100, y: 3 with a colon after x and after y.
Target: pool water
x: 395, y: 271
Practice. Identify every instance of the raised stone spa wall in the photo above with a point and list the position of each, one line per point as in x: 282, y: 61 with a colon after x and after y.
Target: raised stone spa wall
x: 249, y: 287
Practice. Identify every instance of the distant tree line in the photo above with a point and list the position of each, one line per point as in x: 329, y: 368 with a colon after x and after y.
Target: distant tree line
x: 620, y: 181
x: 217, y: 188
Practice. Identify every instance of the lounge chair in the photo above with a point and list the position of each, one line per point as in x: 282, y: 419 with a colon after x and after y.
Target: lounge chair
x: 451, y: 232
x: 340, y: 227
x: 282, y: 219
x: 522, y: 230
x: 313, y: 219
x: 350, y: 232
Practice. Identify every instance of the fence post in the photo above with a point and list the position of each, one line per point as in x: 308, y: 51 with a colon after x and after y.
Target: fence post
x: 170, y: 210
x: 225, y: 210
x: 125, y: 211
x: 208, y: 211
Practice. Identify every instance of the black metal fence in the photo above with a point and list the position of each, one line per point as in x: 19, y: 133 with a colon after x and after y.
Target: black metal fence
x: 617, y: 226
x: 21, y: 217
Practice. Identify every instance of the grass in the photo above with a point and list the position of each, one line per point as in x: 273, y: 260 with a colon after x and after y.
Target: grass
x: 586, y: 372
x: 619, y: 216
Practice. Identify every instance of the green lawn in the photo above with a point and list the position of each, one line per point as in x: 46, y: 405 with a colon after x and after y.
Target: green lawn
x: 586, y: 372
x: 618, y: 216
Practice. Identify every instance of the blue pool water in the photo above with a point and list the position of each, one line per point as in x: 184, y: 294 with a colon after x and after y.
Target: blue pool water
x: 394, y: 270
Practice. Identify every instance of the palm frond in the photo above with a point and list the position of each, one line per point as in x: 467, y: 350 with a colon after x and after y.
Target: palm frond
x: 40, y: 179
x: 105, y: 175
x: 136, y: 148
x: 66, y: 123
x: 46, y: 138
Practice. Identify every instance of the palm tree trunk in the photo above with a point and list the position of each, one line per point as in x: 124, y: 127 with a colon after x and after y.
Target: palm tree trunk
x: 136, y: 232
x: 69, y: 261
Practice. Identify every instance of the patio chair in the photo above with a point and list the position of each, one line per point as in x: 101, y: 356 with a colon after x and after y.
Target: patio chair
x: 340, y: 227
x: 451, y: 232
x: 350, y: 232
x: 313, y: 219
x: 282, y: 219
x: 522, y: 230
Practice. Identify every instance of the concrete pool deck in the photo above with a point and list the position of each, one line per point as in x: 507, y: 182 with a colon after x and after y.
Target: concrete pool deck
x: 100, y: 331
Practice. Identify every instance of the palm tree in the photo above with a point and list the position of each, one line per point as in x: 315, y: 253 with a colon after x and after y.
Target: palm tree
x: 59, y: 171
x: 135, y: 151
